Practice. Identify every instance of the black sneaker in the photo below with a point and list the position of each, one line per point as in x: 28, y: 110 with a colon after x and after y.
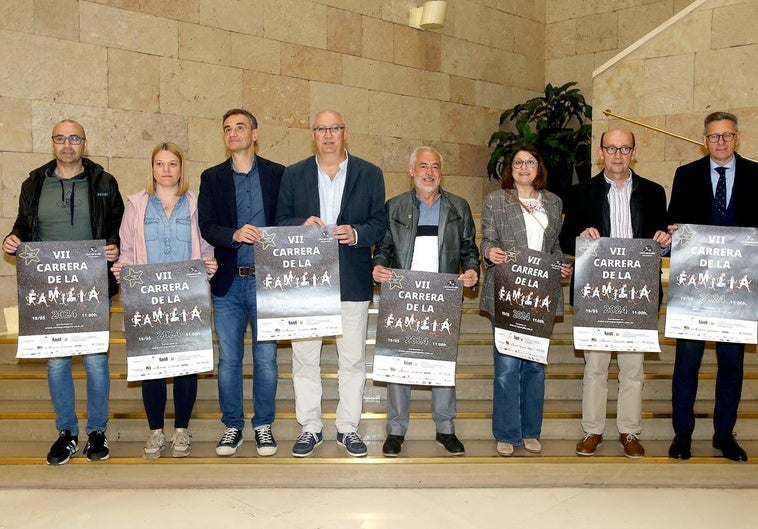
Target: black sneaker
x: 450, y: 443
x: 63, y: 448
x: 264, y: 440
x: 352, y: 443
x: 229, y: 442
x: 96, y: 448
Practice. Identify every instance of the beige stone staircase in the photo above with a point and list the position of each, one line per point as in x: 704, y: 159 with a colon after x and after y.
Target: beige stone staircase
x: 27, y: 428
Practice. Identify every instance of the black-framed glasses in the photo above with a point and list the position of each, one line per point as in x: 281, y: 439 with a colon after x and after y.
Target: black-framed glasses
x: 334, y: 129
x: 530, y: 163
x: 60, y: 139
x: 612, y: 149
x: 726, y: 136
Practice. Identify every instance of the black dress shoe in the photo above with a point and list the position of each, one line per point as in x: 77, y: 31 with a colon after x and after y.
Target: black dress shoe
x: 729, y: 447
x: 681, y: 446
x: 450, y: 443
x: 393, y: 445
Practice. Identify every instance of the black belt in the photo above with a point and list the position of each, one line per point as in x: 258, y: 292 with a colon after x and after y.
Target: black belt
x: 245, y: 271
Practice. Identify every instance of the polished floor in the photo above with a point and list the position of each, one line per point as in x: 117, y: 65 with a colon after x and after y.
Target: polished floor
x: 586, y: 508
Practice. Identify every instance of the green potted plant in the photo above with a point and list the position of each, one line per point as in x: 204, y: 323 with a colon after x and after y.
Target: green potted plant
x: 557, y: 124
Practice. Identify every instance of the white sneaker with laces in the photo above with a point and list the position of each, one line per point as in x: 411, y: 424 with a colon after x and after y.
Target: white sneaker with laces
x: 180, y: 443
x: 155, y: 444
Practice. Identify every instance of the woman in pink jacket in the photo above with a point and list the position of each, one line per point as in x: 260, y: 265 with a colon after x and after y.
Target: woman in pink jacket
x: 160, y: 226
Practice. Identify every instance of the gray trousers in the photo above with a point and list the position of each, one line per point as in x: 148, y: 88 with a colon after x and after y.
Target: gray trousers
x: 399, y: 402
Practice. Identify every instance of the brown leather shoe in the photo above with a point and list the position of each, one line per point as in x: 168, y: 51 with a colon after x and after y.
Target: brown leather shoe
x: 589, y: 444
x: 632, y: 446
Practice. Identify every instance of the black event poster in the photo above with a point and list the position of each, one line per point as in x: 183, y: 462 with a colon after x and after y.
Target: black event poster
x: 63, y: 307
x: 417, y: 328
x: 167, y: 315
x: 616, y: 294
x: 526, y: 300
x: 712, y: 284
x: 297, y: 283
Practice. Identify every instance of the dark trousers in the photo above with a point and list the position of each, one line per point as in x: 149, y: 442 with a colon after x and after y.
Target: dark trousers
x: 689, y: 354
x: 154, y: 397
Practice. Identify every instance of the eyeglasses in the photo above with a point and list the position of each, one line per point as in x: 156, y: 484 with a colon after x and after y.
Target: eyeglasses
x: 334, y: 129
x: 726, y: 136
x: 611, y: 149
x: 530, y: 163
x: 60, y: 139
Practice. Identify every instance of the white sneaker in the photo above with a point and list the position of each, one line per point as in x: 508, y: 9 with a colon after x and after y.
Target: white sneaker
x: 180, y: 443
x: 155, y: 444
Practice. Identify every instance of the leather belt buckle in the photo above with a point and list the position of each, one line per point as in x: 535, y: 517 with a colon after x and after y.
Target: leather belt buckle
x: 245, y: 271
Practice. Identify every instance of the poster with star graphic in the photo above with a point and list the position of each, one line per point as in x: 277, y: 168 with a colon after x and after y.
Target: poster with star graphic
x: 712, y: 284
x: 527, y: 287
x: 167, y: 319
x: 417, y: 328
x: 616, y: 292
x: 297, y: 283
x: 63, y: 307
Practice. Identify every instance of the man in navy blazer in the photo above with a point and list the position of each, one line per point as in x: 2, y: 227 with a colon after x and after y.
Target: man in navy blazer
x: 692, y: 202
x: 335, y: 188
x: 236, y: 198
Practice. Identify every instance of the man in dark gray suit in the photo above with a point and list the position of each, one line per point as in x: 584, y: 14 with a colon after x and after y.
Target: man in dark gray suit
x: 692, y: 201
x: 335, y: 188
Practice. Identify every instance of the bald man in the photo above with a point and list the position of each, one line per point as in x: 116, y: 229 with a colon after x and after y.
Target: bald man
x: 616, y: 203
x: 72, y: 198
x: 335, y: 188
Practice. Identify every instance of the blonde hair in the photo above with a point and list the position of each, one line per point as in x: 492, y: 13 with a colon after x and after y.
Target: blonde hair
x: 174, y: 149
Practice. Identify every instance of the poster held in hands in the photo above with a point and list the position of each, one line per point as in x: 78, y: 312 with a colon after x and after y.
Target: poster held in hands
x: 167, y: 319
x: 712, y: 284
x: 62, y: 298
x: 297, y: 283
x: 417, y: 328
x: 616, y: 292
x: 526, y: 302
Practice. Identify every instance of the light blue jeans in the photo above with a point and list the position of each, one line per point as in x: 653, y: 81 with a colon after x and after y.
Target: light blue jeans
x: 518, y: 399
x: 61, y: 385
x: 231, y: 313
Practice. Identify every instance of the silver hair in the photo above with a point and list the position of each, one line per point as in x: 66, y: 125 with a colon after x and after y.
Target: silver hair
x: 424, y: 148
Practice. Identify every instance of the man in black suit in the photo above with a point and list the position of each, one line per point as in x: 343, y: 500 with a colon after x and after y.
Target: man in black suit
x: 236, y: 198
x: 616, y: 203
x: 335, y: 188
x: 692, y: 202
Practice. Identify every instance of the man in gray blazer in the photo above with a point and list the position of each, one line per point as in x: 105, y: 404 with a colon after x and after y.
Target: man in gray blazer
x: 430, y: 230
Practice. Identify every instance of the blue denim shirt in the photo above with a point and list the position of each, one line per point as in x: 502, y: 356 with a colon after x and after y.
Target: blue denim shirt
x: 247, y: 188
x: 167, y: 240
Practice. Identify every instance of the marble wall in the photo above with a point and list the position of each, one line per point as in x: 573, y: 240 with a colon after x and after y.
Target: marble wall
x: 697, y: 65
x: 138, y: 72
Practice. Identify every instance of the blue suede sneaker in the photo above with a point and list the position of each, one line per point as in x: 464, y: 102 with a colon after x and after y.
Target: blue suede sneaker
x: 305, y: 443
x: 352, y: 443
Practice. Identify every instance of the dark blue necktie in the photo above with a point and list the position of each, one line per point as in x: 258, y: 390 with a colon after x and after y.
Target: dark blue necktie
x: 719, y: 201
